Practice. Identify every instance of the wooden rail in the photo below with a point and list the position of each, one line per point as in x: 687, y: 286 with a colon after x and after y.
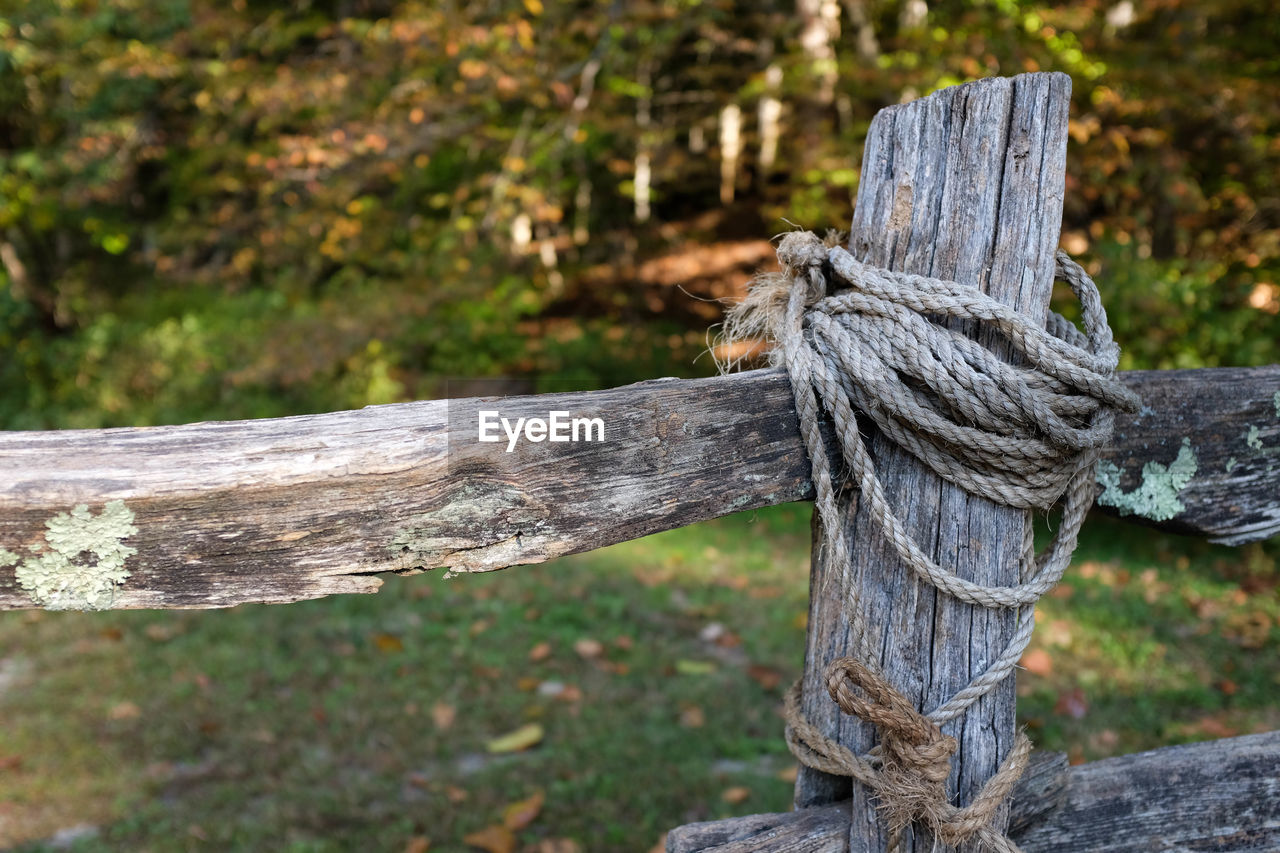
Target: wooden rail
x: 294, y: 508
x: 1222, y: 795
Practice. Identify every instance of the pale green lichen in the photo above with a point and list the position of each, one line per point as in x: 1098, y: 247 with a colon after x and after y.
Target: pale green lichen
x: 1253, y: 439
x: 81, y: 561
x: 1156, y: 497
x: 1231, y: 464
x: 1276, y: 399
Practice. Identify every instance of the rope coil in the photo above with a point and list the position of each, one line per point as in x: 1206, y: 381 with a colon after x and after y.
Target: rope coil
x: 1024, y: 431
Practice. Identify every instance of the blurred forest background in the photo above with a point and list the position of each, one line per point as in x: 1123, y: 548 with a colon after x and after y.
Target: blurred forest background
x: 218, y: 210
x: 250, y: 209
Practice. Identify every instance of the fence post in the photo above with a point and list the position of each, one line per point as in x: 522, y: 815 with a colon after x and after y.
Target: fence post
x: 966, y: 184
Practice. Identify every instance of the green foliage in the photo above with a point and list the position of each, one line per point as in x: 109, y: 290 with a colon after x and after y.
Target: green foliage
x: 214, y: 210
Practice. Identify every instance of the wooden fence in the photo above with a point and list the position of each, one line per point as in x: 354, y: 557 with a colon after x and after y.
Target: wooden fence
x: 966, y: 184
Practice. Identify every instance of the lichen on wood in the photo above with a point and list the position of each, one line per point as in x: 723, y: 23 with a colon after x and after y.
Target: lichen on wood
x: 1156, y: 497
x: 82, y: 560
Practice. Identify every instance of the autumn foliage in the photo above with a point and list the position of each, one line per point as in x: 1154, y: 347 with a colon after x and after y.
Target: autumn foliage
x: 214, y: 210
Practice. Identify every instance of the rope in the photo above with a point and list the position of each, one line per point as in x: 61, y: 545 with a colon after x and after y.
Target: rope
x: 1025, y: 432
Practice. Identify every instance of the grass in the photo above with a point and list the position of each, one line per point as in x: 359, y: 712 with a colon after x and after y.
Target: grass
x: 654, y: 669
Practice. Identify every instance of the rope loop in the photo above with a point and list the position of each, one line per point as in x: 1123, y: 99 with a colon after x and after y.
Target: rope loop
x: 909, y: 739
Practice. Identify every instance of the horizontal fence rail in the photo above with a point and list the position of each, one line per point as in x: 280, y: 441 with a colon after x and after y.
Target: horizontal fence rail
x: 1221, y: 795
x: 278, y: 510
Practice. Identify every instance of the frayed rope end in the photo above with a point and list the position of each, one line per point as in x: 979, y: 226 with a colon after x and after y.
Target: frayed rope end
x: 753, y: 327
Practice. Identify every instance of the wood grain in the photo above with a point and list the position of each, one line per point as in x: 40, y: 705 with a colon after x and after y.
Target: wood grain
x: 967, y: 185
x: 300, y: 507
x: 293, y: 508
x: 1221, y: 795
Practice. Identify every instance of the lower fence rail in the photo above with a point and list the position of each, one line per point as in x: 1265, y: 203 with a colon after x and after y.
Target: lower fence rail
x: 1221, y: 795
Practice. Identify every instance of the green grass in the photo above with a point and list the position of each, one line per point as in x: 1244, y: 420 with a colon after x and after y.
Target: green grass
x: 317, y: 726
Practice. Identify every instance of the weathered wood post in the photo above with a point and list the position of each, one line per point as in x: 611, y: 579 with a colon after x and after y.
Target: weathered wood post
x: 966, y: 184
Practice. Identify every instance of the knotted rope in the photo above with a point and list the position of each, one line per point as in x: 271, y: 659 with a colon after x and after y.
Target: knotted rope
x: 1024, y: 432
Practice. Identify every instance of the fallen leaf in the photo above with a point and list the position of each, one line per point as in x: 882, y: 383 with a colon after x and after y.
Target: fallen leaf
x: 528, y: 683
x: 1250, y: 630
x: 455, y: 794
x: 479, y: 626
x: 124, y: 711
x: 557, y: 845
x: 735, y: 795
x: 493, y: 839
x: 162, y: 632
x: 800, y: 620
x: 388, y: 643
x: 418, y: 844
x: 767, y: 678
x: 789, y: 774
x: 1073, y: 704
x: 728, y: 640
x: 520, y: 814
x: 10, y: 762
x: 695, y: 667
x: 1227, y: 686
x: 1213, y: 726
x: 522, y: 738
x: 624, y: 642
x: 692, y: 717
x: 661, y: 846
x: 712, y: 632
x: 1037, y: 662
x: 443, y: 715
x: 764, y: 591
x: 489, y: 672
x: 1057, y: 633
x: 1106, y: 739
x: 588, y: 648
x: 542, y: 651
